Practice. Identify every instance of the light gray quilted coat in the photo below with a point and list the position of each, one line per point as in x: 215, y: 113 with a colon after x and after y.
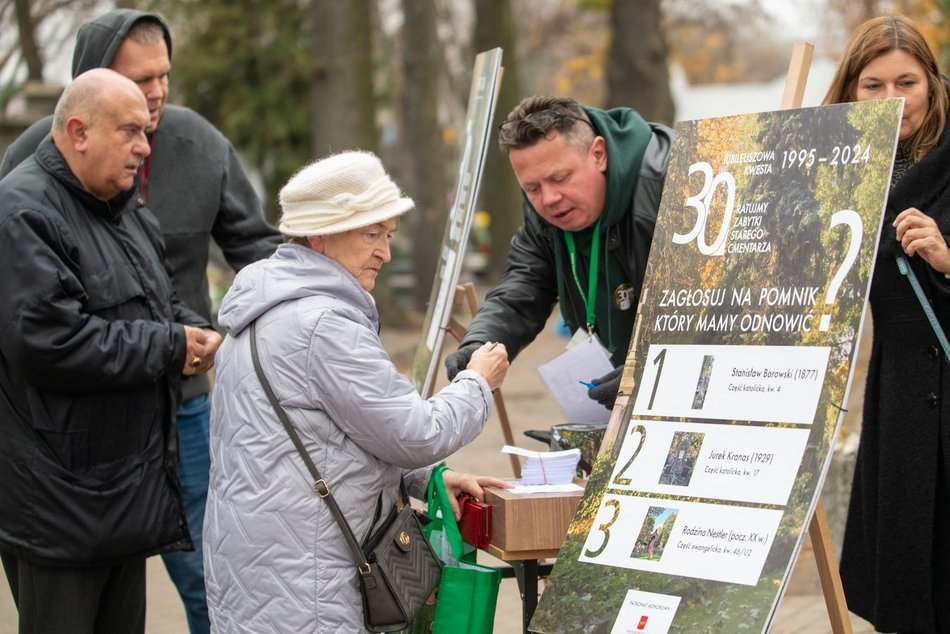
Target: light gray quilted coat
x: 275, y: 560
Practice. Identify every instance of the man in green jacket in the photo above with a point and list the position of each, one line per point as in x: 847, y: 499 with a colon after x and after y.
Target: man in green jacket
x: 591, y: 182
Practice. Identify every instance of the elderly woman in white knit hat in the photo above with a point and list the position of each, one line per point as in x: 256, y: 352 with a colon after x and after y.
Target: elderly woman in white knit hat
x: 275, y: 559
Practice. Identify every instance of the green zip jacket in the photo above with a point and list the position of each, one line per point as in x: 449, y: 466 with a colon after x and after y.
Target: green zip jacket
x: 538, y: 273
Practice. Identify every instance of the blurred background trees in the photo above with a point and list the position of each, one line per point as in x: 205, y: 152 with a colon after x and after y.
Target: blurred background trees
x: 292, y: 80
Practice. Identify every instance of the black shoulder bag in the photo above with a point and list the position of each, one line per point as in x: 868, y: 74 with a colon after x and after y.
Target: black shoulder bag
x: 398, y: 569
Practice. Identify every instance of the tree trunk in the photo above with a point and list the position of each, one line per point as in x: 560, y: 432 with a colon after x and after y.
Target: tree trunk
x: 424, y: 154
x: 500, y: 194
x: 344, y: 101
x: 344, y: 107
x: 637, y: 72
x: 28, y: 47
x: 366, y: 134
x: 855, y: 12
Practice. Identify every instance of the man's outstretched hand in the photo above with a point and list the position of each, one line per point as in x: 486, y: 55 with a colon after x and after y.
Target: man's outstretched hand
x: 606, y: 387
x: 458, y: 360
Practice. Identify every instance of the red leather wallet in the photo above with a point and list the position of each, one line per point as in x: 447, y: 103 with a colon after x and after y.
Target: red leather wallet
x: 475, y: 524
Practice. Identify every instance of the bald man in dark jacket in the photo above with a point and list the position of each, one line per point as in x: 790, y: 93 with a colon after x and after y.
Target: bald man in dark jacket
x: 93, y: 343
x: 195, y: 185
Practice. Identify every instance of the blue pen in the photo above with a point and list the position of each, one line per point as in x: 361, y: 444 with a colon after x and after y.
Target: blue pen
x: 587, y: 384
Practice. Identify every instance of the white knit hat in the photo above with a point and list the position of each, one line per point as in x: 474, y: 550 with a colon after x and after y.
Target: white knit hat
x: 342, y: 192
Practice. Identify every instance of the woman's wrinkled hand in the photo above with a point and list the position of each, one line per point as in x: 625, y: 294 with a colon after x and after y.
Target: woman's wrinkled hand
x: 457, y: 483
x: 490, y: 361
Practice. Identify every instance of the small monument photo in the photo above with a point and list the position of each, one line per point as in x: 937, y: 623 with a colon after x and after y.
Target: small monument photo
x: 702, y: 385
x: 654, y: 533
x: 681, y: 458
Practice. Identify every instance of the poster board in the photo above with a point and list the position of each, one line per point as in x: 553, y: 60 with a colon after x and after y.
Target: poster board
x: 475, y: 139
x: 741, y: 361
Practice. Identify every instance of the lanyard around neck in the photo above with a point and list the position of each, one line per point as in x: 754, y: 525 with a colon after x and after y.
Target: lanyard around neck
x: 589, y: 303
x: 904, y: 267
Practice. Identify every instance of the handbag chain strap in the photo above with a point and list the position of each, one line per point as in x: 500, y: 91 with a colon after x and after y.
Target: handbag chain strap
x: 320, y: 485
x: 906, y: 270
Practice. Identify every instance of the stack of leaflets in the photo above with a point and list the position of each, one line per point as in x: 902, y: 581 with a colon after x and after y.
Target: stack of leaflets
x: 547, y: 467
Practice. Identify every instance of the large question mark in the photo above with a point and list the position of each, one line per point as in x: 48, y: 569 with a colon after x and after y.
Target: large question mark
x: 853, y: 220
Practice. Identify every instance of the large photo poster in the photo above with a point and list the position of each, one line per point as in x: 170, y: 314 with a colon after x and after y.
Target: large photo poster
x: 741, y: 361
x: 486, y: 76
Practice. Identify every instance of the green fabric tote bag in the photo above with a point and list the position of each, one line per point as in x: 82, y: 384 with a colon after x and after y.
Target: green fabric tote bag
x: 468, y: 592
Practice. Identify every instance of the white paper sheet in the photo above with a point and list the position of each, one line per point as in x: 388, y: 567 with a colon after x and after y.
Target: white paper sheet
x: 546, y: 467
x: 544, y: 488
x: 567, y: 374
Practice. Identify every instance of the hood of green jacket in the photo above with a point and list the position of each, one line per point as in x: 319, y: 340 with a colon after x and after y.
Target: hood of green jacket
x: 627, y: 136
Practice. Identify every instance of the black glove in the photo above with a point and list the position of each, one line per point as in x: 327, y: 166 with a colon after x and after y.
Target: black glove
x: 606, y: 387
x: 458, y: 360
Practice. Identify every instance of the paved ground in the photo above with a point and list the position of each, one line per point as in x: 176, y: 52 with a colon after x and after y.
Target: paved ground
x: 529, y: 407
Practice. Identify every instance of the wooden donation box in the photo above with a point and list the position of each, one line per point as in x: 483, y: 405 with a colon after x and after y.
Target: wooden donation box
x: 537, y: 521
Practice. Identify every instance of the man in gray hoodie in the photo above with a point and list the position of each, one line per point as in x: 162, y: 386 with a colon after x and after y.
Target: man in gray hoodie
x: 194, y: 183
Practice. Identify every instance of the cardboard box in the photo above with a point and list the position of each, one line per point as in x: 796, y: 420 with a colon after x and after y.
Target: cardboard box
x: 532, y: 522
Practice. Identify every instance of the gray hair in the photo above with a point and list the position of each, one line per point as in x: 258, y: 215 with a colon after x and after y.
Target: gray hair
x: 146, y: 31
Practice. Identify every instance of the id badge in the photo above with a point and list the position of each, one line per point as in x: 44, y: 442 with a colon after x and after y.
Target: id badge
x: 582, y: 336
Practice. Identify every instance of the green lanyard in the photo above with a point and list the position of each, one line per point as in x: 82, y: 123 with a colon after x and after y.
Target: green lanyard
x: 589, y: 304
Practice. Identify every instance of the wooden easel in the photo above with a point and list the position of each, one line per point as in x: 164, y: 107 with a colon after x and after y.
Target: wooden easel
x: 818, y: 529
x: 465, y: 293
